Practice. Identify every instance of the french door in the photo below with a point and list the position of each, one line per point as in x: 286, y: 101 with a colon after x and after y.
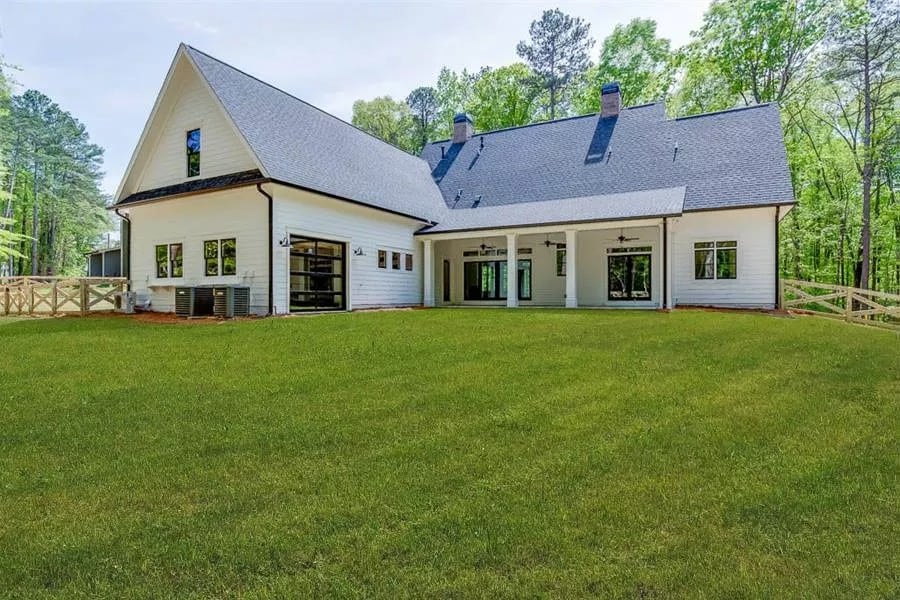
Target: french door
x: 318, y: 274
x: 629, y: 273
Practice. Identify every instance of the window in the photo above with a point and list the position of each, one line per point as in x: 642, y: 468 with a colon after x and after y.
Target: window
x: 395, y: 260
x: 409, y: 260
x: 382, y: 259
x: 486, y: 280
x: 560, y: 260
x: 193, y: 152
x: 629, y: 273
x: 220, y: 257
x: 169, y: 260
x: 715, y: 260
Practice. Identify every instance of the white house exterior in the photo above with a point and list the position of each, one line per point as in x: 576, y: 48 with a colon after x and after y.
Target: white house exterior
x: 236, y: 183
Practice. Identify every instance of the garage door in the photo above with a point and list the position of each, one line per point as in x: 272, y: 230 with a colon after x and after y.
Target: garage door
x: 318, y: 274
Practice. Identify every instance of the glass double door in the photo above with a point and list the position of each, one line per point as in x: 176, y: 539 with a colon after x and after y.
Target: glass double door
x: 629, y: 273
x: 318, y: 274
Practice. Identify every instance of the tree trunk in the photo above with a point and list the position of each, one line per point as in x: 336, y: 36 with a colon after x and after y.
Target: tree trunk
x: 34, y: 224
x: 865, y: 234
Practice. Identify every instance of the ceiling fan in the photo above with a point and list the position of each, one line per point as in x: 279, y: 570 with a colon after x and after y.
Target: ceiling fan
x: 622, y: 239
x: 549, y: 243
x: 484, y: 247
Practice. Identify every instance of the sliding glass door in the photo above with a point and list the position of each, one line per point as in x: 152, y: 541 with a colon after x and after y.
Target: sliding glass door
x: 486, y: 280
x: 318, y: 275
x: 629, y: 273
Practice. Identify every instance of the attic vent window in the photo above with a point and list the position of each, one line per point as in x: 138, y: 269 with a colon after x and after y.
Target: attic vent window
x: 193, y: 153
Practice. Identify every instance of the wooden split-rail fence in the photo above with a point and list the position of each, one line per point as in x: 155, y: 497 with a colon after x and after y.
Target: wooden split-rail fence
x: 854, y: 305
x: 55, y: 295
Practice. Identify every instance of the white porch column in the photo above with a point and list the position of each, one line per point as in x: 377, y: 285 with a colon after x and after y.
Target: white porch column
x: 668, y: 234
x: 571, y: 269
x: 512, y: 270
x: 427, y: 273
x: 663, y: 259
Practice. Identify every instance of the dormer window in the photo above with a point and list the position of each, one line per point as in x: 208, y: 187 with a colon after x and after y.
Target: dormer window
x: 193, y: 153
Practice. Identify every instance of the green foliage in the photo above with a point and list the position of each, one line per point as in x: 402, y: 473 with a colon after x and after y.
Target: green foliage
x: 633, y: 56
x: 504, y: 97
x: 761, y: 47
x: 387, y: 119
x: 452, y: 92
x: 558, y: 54
x: 476, y: 453
x: 52, y: 179
x: 422, y: 101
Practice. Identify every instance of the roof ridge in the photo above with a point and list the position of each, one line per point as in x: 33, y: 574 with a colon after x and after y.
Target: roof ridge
x: 292, y: 96
x: 548, y: 122
x: 724, y: 111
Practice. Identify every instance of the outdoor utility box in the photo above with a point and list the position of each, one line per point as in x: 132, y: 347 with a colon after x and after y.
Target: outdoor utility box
x: 231, y: 301
x: 194, y: 301
x: 205, y: 301
x: 125, y: 302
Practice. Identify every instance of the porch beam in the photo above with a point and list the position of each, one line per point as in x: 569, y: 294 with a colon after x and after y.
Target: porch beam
x: 571, y: 268
x: 512, y: 270
x: 427, y: 273
x: 540, y: 229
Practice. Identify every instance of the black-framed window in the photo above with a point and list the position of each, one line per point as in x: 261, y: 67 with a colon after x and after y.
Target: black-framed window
x: 382, y: 259
x: 395, y: 261
x: 715, y: 260
x: 192, y: 146
x: 169, y: 260
x: 409, y: 262
x: 629, y: 273
x: 318, y: 274
x: 560, y: 260
x: 486, y: 279
x: 220, y: 257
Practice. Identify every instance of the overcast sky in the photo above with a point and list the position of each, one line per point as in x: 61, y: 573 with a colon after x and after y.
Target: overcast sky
x: 105, y: 62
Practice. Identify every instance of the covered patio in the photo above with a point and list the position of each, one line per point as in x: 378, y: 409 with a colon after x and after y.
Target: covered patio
x: 605, y: 251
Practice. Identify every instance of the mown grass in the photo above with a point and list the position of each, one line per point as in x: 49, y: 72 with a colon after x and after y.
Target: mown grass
x: 450, y: 453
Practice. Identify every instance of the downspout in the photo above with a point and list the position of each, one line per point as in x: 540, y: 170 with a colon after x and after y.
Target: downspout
x: 127, y: 244
x: 665, y: 262
x: 271, y: 274
x: 777, y: 260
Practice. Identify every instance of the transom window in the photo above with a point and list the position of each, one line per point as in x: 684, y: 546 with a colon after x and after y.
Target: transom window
x: 193, y: 152
x: 220, y: 257
x: 715, y: 260
x: 169, y: 260
x: 486, y: 280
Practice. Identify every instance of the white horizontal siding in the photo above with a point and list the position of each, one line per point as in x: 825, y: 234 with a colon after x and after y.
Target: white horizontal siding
x: 240, y: 213
x: 754, y: 230
x: 363, y: 229
x: 188, y: 104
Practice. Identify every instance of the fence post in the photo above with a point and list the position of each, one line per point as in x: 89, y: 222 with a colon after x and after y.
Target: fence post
x: 30, y: 299
x: 7, y: 298
x: 848, y: 305
x: 54, y: 302
x: 84, y: 297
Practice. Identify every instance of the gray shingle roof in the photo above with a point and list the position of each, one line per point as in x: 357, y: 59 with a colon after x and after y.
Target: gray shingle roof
x: 613, y: 207
x: 727, y: 159
x: 301, y: 145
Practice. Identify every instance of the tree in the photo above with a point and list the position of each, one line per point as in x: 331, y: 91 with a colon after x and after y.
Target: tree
x: 504, y: 97
x: 387, y: 119
x: 761, y: 47
x: 558, y: 53
x: 633, y: 56
x: 862, y: 66
x: 422, y: 101
x: 453, y: 93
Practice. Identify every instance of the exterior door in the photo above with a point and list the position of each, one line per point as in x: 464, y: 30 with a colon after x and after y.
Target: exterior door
x: 629, y: 274
x: 446, y: 281
x: 318, y: 274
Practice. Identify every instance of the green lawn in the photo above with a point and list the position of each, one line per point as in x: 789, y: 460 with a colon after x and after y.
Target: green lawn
x: 451, y: 453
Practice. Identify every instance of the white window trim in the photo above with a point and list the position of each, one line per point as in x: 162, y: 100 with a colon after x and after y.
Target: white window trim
x: 715, y: 242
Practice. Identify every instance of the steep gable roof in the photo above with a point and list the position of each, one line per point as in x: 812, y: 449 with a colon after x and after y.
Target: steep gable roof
x: 723, y: 160
x: 299, y: 144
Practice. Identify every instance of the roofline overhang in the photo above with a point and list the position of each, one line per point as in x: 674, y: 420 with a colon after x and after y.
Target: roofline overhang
x: 175, y: 196
x: 556, y: 224
x: 262, y: 180
x: 741, y: 206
